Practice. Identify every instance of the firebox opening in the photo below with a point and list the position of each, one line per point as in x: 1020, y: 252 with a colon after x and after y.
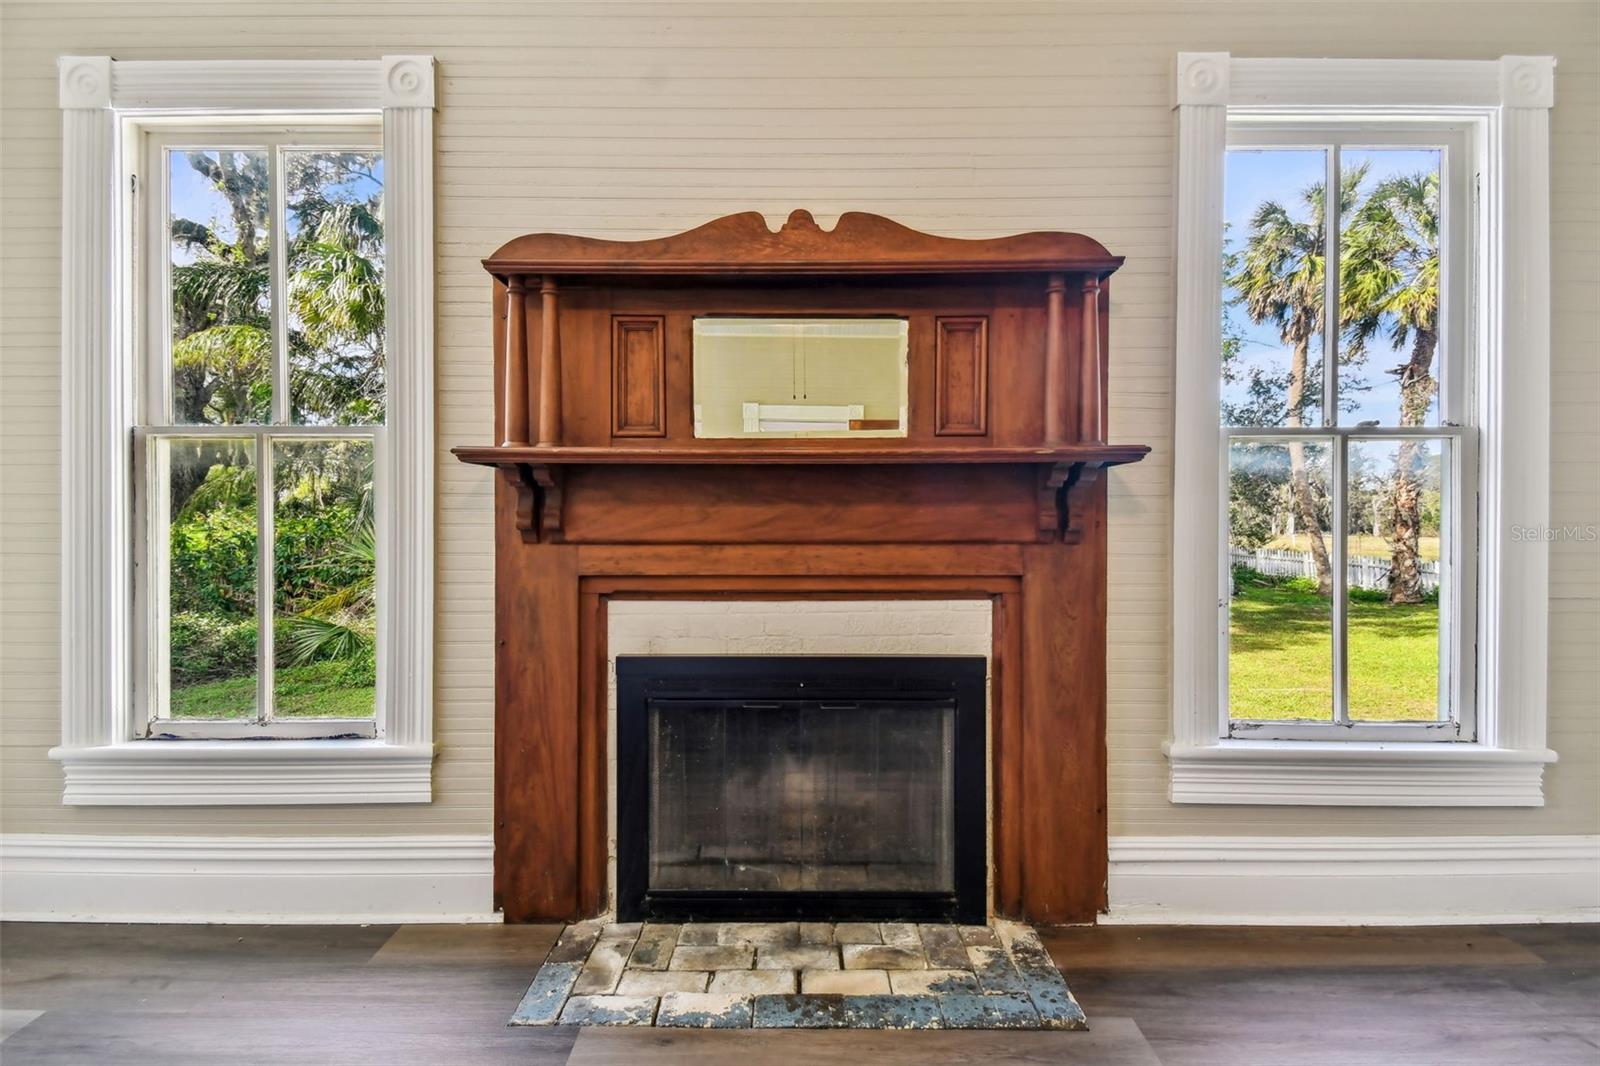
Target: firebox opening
x: 801, y: 787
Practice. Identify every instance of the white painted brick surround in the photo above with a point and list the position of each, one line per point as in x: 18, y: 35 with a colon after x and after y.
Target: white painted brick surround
x: 781, y: 627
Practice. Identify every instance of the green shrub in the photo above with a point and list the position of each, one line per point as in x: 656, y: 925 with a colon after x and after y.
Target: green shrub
x: 213, y: 562
x: 208, y: 647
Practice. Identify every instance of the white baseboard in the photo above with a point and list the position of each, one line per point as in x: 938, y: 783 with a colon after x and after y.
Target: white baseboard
x: 284, y: 880
x: 1153, y: 880
x: 1353, y: 880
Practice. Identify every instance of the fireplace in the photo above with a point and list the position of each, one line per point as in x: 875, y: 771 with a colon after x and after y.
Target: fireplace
x: 801, y: 787
x: 742, y: 413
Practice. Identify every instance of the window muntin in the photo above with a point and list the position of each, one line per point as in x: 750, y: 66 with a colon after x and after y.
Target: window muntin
x: 260, y: 304
x: 1341, y: 423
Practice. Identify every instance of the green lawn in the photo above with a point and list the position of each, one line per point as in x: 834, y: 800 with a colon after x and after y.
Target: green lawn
x: 1359, y: 544
x: 315, y: 690
x: 1281, y: 654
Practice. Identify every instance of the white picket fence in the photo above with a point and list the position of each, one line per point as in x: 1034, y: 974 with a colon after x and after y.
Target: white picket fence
x: 1365, y: 571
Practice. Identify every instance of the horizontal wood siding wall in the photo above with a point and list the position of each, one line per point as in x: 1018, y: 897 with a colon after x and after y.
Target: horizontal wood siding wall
x: 635, y: 120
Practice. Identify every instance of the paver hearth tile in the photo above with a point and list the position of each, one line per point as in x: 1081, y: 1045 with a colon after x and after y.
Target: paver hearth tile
x: 712, y: 957
x: 816, y: 934
x: 1057, y: 1009
x: 900, y: 934
x: 752, y: 982
x: 857, y: 933
x: 882, y: 957
x: 609, y: 1010
x: 977, y: 934
x: 606, y: 961
x: 759, y: 934
x: 542, y: 1003
x: 703, y: 1010
x: 575, y: 942
x: 945, y: 948
x: 654, y: 948
x: 988, y: 1012
x: 996, y: 972
x: 800, y: 975
x: 808, y: 958
x: 699, y: 934
x: 931, y: 982
x: 660, y: 982
x: 846, y: 1012
x: 845, y: 982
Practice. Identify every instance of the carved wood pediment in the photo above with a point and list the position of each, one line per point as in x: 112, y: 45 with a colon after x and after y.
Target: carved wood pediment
x: 859, y: 243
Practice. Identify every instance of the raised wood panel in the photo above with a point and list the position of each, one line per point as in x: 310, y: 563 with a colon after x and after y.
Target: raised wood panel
x: 961, y: 377
x: 638, y: 376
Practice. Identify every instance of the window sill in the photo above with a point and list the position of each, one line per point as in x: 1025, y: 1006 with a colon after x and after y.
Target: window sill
x: 1336, y: 774
x: 224, y: 773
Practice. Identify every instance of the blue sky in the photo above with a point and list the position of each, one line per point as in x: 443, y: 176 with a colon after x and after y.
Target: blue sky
x: 1256, y: 175
x: 194, y: 198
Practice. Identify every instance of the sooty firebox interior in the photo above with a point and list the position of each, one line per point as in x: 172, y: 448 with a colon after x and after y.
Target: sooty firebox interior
x: 801, y: 787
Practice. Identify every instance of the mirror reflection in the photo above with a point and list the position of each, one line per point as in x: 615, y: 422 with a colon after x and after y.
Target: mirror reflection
x: 800, y: 377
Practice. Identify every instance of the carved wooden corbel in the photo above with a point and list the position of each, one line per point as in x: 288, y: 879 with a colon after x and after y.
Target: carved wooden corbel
x: 1062, y: 488
x: 1073, y: 499
x: 1053, y: 480
x: 539, y: 499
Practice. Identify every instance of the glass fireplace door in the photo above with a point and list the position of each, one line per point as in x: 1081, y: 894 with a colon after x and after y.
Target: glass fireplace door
x: 808, y: 796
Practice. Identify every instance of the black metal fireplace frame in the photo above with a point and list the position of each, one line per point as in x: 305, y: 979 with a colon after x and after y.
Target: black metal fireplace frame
x: 960, y: 678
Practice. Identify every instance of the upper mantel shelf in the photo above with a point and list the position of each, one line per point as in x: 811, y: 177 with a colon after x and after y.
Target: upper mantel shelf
x: 766, y: 453
x: 859, y: 243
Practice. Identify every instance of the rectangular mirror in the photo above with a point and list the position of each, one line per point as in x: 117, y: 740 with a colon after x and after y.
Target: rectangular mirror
x: 800, y: 377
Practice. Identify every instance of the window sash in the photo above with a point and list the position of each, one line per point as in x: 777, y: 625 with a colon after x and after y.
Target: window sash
x: 1458, y: 601
x: 152, y: 309
x: 153, y: 278
x: 152, y: 673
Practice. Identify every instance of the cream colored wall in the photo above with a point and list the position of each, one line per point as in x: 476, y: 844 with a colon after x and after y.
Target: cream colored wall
x: 633, y: 120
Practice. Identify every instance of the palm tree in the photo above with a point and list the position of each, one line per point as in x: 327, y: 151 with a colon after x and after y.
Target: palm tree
x: 1280, y: 278
x: 1390, y: 280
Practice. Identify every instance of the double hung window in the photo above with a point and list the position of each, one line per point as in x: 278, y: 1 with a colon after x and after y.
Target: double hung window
x: 259, y: 440
x: 1349, y: 455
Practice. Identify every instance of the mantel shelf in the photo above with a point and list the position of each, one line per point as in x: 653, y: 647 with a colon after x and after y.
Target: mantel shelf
x: 800, y: 455
x: 538, y: 473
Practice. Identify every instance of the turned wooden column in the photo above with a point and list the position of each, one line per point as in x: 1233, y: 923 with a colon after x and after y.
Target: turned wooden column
x: 514, y: 394
x: 1055, y: 359
x: 1090, y: 402
x: 549, y: 367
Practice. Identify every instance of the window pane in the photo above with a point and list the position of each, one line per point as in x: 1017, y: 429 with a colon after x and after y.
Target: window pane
x: 1280, y: 618
x: 1273, y: 287
x: 324, y: 601
x: 211, y: 578
x: 1396, y: 514
x: 1389, y: 287
x: 220, y: 211
x: 335, y: 285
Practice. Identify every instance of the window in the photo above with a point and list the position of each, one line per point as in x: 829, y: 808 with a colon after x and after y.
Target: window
x: 1349, y: 451
x: 261, y: 312
x: 247, y: 445
x: 1362, y: 373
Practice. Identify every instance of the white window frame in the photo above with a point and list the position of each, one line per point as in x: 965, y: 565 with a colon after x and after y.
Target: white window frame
x: 103, y: 102
x: 1507, y: 102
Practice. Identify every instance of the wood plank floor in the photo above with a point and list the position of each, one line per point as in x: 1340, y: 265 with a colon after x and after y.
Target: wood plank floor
x: 180, y: 995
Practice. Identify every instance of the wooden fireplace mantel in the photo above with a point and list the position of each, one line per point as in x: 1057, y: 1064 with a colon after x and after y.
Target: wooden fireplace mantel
x: 995, y: 492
